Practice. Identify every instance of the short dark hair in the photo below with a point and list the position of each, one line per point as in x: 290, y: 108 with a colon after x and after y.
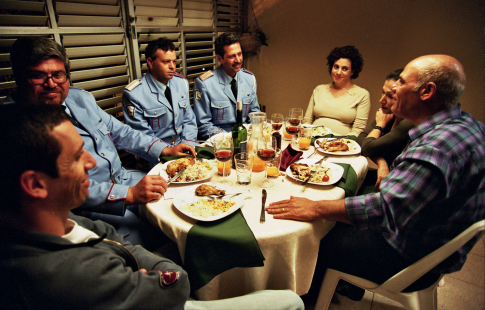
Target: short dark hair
x: 29, y: 51
x: 349, y: 52
x: 225, y: 39
x: 162, y: 43
x: 27, y: 144
x: 394, y: 75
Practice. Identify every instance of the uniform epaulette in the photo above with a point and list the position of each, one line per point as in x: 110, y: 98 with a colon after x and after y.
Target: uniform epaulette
x: 132, y: 85
x: 206, y: 75
x: 247, y: 71
x: 179, y: 75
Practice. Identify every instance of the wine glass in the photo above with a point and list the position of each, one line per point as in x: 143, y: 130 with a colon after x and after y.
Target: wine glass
x: 223, y: 150
x: 296, y: 115
x: 277, y: 121
x: 213, y: 131
x: 265, y: 152
x: 292, y: 127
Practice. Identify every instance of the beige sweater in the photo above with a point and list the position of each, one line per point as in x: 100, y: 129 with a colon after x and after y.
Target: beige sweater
x: 346, y: 115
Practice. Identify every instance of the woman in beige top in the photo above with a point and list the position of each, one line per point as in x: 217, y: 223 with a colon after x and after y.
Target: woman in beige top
x: 342, y: 106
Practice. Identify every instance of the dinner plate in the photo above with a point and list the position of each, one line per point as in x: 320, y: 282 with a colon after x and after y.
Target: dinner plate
x: 164, y: 174
x: 188, y: 196
x: 318, y: 130
x: 219, y: 135
x: 337, y: 173
x: 354, y: 147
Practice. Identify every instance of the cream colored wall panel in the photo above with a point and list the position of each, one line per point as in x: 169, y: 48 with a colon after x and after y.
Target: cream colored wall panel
x: 22, y: 6
x: 153, y: 36
x: 155, y: 11
x: 83, y: 40
x: 88, y: 21
x: 97, y: 73
x: 86, y: 9
x: 114, y: 110
x: 200, y: 51
x: 97, y: 62
x: 201, y: 6
x: 109, y: 101
x: 107, y: 91
x: 108, y: 2
x: 6, y: 85
x: 197, y: 14
x: 199, y: 59
x: 101, y: 83
x: 93, y: 51
x: 158, y: 3
x: 192, y: 22
x: 5, y: 71
x: 143, y: 21
x: 22, y: 20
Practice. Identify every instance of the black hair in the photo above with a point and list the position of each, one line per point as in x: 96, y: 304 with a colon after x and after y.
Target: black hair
x: 349, y: 52
x: 225, y: 39
x: 394, y: 75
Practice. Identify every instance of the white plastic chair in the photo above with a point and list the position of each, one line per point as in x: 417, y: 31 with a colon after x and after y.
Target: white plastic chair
x: 420, y: 300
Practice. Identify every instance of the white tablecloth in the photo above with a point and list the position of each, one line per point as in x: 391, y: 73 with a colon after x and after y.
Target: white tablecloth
x: 290, y: 247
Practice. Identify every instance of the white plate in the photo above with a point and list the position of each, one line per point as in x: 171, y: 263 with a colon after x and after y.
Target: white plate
x: 354, y: 147
x: 189, y: 196
x: 337, y: 173
x: 219, y: 135
x: 163, y: 174
x: 318, y: 130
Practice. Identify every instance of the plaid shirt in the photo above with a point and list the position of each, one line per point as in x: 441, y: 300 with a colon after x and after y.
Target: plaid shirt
x: 435, y: 190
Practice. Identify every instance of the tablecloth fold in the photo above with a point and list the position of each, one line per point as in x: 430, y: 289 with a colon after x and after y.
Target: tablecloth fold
x: 214, y: 247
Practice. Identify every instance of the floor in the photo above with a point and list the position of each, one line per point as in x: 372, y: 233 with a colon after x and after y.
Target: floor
x: 463, y: 290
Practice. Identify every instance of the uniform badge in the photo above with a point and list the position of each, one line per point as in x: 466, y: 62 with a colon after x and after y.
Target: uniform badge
x: 168, y: 278
x: 131, y: 110
x: 198, y: 95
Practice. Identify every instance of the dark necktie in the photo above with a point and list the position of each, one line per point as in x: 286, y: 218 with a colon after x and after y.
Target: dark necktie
x: 168, y: 95
x: 234, y: 88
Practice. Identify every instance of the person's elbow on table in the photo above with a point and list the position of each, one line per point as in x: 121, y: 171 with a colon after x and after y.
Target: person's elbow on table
x: 303, y: 209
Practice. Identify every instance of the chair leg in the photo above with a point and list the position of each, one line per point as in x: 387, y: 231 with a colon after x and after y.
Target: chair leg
x: 327, y: 290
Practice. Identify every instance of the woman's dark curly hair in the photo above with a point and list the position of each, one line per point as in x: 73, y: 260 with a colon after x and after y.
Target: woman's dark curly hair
x: 349, y: 52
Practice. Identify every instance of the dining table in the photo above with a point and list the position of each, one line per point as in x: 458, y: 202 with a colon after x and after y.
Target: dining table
x: 290, y: 248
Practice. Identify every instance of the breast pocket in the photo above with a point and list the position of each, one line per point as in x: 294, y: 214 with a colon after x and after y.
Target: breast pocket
x: 220, y: 110
x: 158, y: 118
x: 183, y: 105
x: 246, y: 106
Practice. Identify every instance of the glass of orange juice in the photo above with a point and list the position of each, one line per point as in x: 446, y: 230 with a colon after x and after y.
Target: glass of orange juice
x: 258, y: 164
x: 304, y: 138
x: 273, y: 168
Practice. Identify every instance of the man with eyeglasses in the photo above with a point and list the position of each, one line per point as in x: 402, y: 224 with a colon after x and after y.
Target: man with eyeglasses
x: 41, y: 71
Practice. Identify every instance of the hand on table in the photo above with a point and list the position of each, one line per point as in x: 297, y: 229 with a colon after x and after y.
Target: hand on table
x: 296, y: 208
x: 179, y: 149
x: 151, y: 187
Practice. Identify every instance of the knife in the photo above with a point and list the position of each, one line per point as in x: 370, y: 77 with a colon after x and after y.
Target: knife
x: 262, y: 217
x: 313, y: 171
x: 176, y: 176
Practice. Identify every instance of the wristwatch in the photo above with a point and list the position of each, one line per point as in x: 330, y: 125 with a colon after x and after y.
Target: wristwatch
x: 379, y: 127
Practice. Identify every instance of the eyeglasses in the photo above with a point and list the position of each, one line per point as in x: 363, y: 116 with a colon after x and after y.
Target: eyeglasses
x: 42, y: 78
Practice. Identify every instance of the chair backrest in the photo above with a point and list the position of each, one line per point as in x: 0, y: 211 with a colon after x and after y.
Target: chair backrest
x: 407, y: 276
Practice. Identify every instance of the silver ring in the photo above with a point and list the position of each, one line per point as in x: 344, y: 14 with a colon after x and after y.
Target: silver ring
x: 283, y: 210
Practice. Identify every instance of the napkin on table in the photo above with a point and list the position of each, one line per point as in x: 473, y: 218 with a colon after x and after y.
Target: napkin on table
x: 214, y: 247
x: 289, y: 156
x: 202, y: 152
x: 348, y: 182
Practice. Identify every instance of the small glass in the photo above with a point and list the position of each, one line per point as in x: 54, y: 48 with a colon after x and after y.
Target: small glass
x: 244, y: 168
x: 304, y: 138
x: 223, y: 150
x: 292, y: 128
x: 273, y: 169
x: 296, y: 116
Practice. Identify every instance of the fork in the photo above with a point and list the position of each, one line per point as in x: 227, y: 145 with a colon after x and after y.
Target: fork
x: 312, y: 171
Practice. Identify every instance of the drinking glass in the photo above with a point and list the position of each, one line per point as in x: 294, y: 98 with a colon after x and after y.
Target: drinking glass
x: 223, y: 150
x: 292, y: 129
x: 265, y: 152
x: 213, y: 132
x: 296, y: 116
x: 277, y: 121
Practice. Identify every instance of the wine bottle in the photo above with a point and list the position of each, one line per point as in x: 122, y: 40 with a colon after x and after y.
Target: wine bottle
x: 239, y: 133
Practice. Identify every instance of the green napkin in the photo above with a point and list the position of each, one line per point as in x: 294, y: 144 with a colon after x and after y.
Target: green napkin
x: 332, y: 136
x: 202, y: 152
x: 214, y: 247
x: 348, y: 182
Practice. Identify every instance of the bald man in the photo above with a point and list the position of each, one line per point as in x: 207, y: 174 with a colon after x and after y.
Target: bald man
x: 435, y: 190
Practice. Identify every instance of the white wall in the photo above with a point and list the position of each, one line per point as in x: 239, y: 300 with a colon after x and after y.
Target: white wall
x: 388, y: 34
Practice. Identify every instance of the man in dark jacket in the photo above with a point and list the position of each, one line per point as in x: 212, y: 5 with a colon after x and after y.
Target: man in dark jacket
x: 52, y: 259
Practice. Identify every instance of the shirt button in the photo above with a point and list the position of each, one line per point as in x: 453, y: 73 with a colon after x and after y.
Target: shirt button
x: 96, y: 138
x: 100, y: 120
x: 155, y: 113
x: 176, y: 128
x: 102, y: 154
x: 112, y: 197
x: 175, y: 115
x: 220, y: 106
x: 182, y: 96
x: 112, y: 170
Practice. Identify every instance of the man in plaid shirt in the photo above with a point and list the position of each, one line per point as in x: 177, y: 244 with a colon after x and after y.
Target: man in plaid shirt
x: 435, y: 190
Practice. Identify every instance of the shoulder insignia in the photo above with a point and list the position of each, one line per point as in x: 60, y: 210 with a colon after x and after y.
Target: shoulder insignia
x: 131, y: 110
x: 247, y: 71
x: 179, y: 75
x: 132, y: 85
x: 206, y: 75
x: 198, y: 95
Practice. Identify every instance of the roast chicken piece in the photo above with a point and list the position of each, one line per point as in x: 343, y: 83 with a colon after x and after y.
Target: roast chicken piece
x: 204, y: 190
x: 179, y: 164
x: 300, y: 169
x: 334, y: 146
